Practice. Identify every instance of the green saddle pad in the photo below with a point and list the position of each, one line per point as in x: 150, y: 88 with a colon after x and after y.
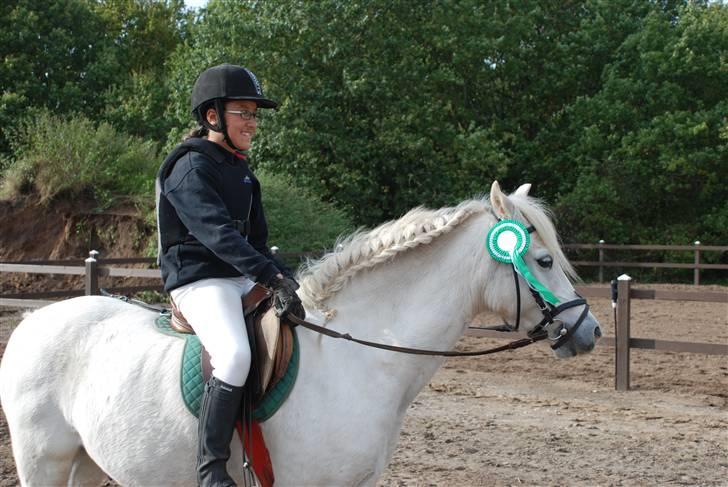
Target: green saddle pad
x: 192, y: 384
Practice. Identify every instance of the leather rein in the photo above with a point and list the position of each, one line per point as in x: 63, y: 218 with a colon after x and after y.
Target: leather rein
x: 413, y: 351
x: 538, y: 333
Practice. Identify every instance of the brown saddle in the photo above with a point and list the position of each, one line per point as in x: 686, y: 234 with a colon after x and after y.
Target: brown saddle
x: 271, y: 341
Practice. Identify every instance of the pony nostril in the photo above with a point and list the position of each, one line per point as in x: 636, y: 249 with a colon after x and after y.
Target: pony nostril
x: 597, y: 332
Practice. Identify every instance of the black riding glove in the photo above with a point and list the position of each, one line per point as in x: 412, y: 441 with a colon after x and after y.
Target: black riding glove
x: 285, y: 298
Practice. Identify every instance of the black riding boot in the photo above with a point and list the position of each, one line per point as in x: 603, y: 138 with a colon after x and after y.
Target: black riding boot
x: 221, y: 405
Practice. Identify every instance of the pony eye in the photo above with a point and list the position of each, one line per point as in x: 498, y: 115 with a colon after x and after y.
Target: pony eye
x: 546, y: 262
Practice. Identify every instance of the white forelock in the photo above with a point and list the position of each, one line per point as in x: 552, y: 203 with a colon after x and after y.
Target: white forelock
x: 535, y: 212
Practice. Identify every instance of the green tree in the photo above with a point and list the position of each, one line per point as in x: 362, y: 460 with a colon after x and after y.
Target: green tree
x: 350, y: 125
x: 53, y: 57
x: 145, y: 33
x: 650, y: 138
x: 103, y: 59
x: 387, y: 105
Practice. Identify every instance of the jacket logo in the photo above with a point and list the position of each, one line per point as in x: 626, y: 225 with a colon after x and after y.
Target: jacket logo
x: 247, y: 180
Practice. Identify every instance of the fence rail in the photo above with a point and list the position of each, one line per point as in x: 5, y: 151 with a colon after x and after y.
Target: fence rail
x: 623, y: 342
x: 696, y: 265
x: 677, y: 248
x: 91, y: 268
x: 80, y: 262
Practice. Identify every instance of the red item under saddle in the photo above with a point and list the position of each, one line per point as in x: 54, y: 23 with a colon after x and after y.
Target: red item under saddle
x: 257, y: 452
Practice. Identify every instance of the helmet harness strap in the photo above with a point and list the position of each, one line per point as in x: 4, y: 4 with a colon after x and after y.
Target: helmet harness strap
x: 220, y: 126
x: 220, y: 108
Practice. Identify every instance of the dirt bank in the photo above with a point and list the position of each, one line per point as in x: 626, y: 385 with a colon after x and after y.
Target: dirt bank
x: 66, y: 230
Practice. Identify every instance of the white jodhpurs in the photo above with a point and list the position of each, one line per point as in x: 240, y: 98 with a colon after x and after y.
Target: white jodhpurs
x: 214, y: 309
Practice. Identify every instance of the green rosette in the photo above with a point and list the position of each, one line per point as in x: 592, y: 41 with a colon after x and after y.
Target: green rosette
x: 508, y: 242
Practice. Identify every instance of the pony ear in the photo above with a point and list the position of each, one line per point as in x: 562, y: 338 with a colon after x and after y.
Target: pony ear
x: 500, y: 203
x: 523, y: 189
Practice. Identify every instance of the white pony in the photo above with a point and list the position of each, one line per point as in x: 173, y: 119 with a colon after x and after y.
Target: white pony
x: 90, y: 388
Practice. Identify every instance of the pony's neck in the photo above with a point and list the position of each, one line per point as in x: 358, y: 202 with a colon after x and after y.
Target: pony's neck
x: 422, y: 298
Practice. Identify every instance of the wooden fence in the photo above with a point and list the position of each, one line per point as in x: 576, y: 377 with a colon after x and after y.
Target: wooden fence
x: 623, y: 342
x: 93, y: 268
x: 697, y: 248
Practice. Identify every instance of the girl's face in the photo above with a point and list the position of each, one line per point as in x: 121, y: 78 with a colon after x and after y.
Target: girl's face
x: 241, y: 126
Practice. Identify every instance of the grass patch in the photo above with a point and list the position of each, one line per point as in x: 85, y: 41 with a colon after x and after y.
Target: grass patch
x: 53, y: 155
x: 57, y: 158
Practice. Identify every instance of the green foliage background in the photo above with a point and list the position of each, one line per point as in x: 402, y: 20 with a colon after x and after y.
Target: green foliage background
x: 616, y: 110
x: 297, y: 212
x: 55, y: 156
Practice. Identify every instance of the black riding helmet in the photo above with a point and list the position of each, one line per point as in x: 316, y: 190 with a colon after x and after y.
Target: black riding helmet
x: 225, y: 82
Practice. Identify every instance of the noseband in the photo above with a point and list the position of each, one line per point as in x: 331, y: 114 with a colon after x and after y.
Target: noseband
x: 548, y: 310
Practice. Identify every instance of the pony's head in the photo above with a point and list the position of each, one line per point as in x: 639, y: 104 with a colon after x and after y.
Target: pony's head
x: 464, y: 267
x: 531, y: 285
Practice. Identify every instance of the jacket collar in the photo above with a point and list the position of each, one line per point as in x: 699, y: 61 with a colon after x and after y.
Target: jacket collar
x: 218, y: 153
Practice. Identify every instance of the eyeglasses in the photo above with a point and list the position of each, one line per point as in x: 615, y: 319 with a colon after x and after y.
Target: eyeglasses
x: 246, y: 114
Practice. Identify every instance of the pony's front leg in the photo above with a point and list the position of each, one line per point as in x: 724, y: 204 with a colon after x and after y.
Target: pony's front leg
x: 367, y: 479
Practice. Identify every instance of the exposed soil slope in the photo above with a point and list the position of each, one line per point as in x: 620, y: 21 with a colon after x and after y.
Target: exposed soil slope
x: 65, y: 230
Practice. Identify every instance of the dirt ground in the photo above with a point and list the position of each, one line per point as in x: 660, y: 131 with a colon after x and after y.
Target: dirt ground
x: 526, y: 418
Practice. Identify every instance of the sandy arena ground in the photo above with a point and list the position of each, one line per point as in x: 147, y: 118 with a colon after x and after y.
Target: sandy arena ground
x: 526, y: 418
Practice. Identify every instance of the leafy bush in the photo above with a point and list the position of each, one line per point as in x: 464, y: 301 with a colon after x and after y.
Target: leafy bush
x: 52, y: 155
x: 298, y: 221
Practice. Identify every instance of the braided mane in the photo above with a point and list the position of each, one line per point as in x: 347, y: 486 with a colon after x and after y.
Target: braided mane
x: 323, y: 278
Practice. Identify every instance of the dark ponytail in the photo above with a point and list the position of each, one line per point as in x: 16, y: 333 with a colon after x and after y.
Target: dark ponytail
x: 198, y: 132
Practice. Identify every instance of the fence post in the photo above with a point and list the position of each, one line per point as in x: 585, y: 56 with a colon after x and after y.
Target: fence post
x: 696, y: 271
x: 601, y: 261
x: 622, y: 334
x: 92, y: 274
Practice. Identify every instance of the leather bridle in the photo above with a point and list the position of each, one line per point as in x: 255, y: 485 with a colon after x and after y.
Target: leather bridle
x: 549, y: 312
